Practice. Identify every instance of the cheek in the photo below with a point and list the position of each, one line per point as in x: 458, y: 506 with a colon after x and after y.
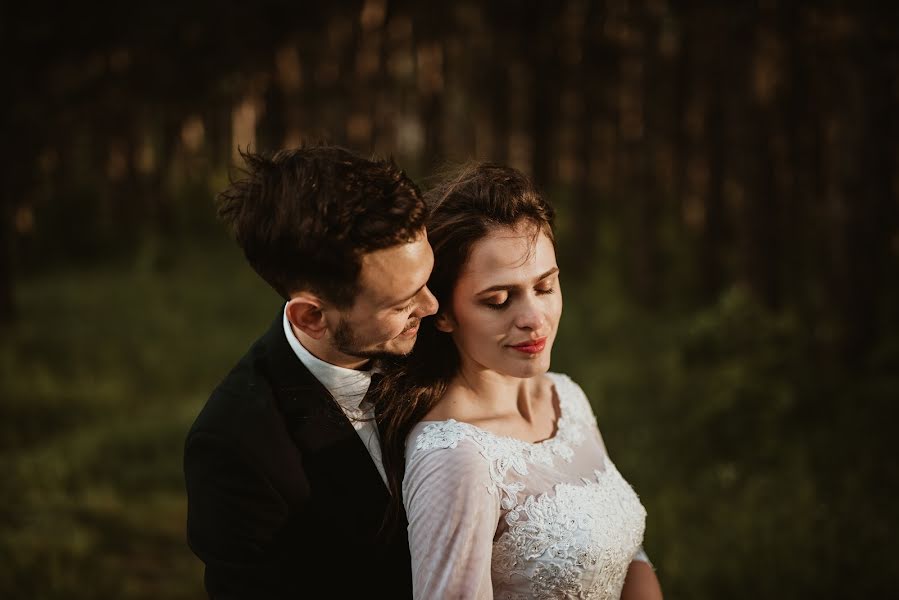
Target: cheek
x: 480, y: 325
x: 556, y: 308
x: 385, y: 327
x: 397, y: 324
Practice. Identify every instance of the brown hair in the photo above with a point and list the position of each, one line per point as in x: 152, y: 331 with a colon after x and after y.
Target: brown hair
x: 464, y: 208
x: 305, y: 216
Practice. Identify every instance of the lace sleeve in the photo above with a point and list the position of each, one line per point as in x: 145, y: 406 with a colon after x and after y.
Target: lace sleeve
x: 453, y: 517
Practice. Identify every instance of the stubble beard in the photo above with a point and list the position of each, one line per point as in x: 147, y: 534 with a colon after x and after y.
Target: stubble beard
x: 347, y: 342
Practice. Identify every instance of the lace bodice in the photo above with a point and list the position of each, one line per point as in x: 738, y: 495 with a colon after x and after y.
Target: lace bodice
x: 493, y: 516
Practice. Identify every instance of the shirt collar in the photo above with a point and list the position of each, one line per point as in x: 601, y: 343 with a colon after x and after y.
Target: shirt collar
x: 347, y: 386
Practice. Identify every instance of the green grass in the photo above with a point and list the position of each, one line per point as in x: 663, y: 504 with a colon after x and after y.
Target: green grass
x: 763, y: 474
x: 101, y: 376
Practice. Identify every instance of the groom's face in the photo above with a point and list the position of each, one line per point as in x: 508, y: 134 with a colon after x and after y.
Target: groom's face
x: 393, y: 298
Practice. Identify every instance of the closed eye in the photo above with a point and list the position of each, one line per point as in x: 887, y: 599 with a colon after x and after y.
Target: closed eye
x: 498, y: 302
x: 404, y: 308
x: 497, y: 306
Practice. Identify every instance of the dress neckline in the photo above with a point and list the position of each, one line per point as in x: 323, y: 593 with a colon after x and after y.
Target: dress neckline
x: 560, y: 422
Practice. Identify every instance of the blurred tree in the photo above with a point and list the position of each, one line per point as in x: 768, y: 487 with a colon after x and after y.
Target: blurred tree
x: 724, y: 174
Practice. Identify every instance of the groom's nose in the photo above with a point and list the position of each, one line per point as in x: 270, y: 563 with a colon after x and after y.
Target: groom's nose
x: 428, y: 304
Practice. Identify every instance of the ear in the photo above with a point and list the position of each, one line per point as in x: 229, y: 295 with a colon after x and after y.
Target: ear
x: 443, y: 322
x: 305, y: 312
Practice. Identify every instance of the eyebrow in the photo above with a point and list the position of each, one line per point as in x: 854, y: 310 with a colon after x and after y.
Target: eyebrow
x: 509, y: 286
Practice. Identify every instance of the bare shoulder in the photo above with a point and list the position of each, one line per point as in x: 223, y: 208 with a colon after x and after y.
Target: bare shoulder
x: 563, y: 384
x: 455, y: 404
x: 573, y: 396
x: 544, y: 386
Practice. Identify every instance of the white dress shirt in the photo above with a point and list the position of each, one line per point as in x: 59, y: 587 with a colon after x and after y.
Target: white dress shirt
x: 348, y: 387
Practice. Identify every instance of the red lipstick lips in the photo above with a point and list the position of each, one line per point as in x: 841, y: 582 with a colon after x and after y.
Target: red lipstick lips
x: 531, y: 346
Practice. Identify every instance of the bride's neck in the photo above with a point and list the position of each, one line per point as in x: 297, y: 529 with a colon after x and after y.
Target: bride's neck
x: 490, y: 392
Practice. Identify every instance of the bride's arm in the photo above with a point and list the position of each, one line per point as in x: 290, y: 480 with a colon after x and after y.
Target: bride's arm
x: 452, y: 521
x: 641, y: 583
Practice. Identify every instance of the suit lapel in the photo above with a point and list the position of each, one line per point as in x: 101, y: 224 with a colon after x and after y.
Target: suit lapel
x: 332, y: 451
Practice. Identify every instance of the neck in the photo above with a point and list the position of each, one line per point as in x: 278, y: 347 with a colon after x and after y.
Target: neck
x: 494, y: 393
x: 323, y: 350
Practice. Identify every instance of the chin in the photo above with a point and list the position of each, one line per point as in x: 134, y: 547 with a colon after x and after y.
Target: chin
x: 401, y: 348
x: 528, y: 370
x: 385, y: 350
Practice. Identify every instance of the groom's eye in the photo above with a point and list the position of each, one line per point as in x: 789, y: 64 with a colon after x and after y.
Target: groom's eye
x: 404, y: 308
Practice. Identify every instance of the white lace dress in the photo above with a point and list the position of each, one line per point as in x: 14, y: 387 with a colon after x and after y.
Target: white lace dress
x: 493, y: 516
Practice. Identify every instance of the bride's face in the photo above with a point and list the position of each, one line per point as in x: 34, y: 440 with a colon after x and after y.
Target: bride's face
x: 507, y: 302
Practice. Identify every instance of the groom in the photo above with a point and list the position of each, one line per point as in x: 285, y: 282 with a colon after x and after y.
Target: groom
x: 285, y: 485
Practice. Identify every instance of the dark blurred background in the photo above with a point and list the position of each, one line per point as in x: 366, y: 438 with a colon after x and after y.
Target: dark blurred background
x: 725, y: 175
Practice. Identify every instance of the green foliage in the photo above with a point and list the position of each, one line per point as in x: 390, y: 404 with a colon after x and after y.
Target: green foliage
x: 100, y: 379
x: 765, y: 473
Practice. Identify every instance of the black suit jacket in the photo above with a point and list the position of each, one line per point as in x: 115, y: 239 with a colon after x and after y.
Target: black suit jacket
x: 283, y: 497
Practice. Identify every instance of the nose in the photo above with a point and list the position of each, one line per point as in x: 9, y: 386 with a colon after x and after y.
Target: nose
x: 427, y: 304
x: 529, y: 315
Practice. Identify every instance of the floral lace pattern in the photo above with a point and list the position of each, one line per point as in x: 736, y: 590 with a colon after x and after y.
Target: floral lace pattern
x: 564, y: 532
x: 577, y: 543
x: 505, y: 453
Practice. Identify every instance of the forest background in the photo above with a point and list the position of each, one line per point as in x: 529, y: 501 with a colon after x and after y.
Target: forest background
x: 726, y: 177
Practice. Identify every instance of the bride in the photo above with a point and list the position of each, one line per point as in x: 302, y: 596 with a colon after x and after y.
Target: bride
x: 500, y: 466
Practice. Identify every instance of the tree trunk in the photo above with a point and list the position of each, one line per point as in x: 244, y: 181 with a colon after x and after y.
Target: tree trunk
x: 594, y: 68
x: 872, y: 216
x: 715, y: 147
x: 6, y: 263
x: 544, y: 88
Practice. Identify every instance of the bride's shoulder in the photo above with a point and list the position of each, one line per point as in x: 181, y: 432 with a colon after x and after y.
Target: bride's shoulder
x: 563, y: 383
x: 570, y: 392
x: 432, y: 437
x: 437, y: 433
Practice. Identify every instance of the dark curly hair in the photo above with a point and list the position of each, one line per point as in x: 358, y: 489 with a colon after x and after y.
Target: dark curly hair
x: 305, y: 216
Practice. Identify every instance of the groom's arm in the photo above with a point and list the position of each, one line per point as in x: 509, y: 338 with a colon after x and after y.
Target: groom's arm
x: 235, y: 521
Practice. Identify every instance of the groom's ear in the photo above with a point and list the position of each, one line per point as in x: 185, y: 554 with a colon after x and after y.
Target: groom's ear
x: 304, y: 311
x: 443, y: 322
